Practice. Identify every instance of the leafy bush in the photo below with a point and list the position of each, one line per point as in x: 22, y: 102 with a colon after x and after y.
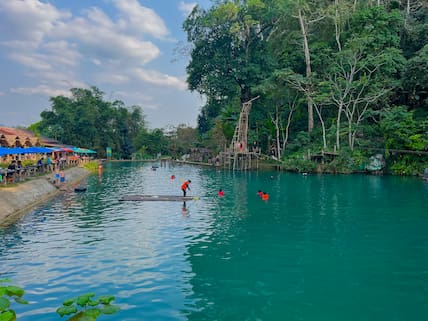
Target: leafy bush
x: 299, y: 163
x: 92, y: 166
x: 407, y: 165
x: 302, y: 139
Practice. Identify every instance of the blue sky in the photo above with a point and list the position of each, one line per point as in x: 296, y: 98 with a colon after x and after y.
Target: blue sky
x: 126, y: 48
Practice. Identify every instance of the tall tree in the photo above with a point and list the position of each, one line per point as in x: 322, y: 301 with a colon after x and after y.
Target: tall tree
x: 228, y: 55
x: 365, y: 70
x: 308, y: 14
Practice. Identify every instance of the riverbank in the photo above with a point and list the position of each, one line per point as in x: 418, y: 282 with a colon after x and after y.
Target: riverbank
x: 17, y: 200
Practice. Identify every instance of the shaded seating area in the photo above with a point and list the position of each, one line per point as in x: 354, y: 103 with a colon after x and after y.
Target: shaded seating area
x: 38, y: 160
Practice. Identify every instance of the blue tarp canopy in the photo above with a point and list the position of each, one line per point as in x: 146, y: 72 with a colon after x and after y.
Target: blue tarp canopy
x: 4, y: 151
x: 28, y: 150
x: 36, y: 150
x: 42, y: 150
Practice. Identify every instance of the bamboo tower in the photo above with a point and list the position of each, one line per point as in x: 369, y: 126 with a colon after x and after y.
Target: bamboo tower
x: 239, y: 156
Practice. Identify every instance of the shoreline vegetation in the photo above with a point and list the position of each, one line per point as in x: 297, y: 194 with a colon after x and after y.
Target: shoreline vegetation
x: 323, y: 169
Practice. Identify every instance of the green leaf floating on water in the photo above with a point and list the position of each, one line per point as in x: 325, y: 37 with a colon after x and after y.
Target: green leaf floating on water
x: 83, y: 299
x: 8, y: 316
x: 4, y: 304
x: 69, y: 302
x: 106, y: 299
x: 66, y: 310
x: 14, y: 291
x: 93, y: 303
x: 21, y: 301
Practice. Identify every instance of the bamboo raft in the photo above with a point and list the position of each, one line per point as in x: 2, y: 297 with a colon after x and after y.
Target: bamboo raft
x: 167, y: 198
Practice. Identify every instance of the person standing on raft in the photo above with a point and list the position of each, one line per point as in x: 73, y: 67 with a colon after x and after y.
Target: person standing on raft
x: 185, y: 186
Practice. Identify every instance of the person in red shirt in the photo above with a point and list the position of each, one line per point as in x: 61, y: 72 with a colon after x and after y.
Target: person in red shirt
x: 220, y: 193
x: 185, y: 186
x: 265, y: 196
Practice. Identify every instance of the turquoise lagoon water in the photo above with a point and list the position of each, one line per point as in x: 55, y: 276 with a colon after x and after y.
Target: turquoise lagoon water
x: 321, y: 248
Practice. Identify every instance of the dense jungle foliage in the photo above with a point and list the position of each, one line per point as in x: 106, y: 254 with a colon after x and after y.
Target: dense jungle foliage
x: 346, y: 77
x: 343, y: 76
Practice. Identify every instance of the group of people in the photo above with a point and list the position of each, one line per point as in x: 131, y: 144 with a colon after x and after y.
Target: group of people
x: 186, y: 186
x: 13, y: 168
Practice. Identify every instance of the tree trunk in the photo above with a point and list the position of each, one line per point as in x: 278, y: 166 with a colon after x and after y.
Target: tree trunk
x: 337, y: 26
x: 308, y: 71
x: 287, y: 127
x: 275, y: 121
x: 351, y: 146
x: 339, y: 113
x: 278, y: 133
x: 324, y: 140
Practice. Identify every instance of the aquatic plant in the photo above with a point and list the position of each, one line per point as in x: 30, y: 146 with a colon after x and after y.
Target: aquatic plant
x: 8, y: 293
x: 86, y: 308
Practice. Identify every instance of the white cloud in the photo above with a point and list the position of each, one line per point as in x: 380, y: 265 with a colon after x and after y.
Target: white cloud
x: 157, y: 78
x: 40, y: 90
x: 186, y: 7
x: 28, y: 23
x: 62, y: 53
x: 135, y: 17
x: 34, y: 61
x: 28, y: 20
x: 99, y: 18
x: 99, y: 38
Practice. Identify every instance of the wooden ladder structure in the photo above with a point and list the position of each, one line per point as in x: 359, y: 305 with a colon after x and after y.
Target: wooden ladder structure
x: 238, y: 156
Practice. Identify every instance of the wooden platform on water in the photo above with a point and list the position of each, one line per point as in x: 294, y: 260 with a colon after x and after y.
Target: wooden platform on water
x: 165, y: 198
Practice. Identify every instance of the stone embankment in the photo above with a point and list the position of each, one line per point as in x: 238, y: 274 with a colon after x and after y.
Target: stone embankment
x: 17, y: 200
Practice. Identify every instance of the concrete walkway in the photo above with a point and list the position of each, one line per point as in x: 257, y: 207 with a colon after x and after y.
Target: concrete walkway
x: 18, y: 200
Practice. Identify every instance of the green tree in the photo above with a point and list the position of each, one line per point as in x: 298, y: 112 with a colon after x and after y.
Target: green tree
x: 415, y: 82
x: 229, y: 55
x: 86, y: 120
x: 401, y: 131
x: 151, y: 142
